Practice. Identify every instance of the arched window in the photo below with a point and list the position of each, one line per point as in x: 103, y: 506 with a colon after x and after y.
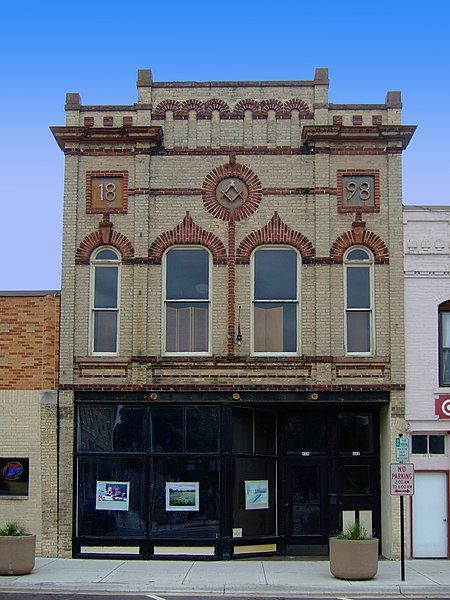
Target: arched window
x: 444, y: 343
x: 358, y: 265
x: 105, y: 285
x: 187, y: 301
x: 275, y: 301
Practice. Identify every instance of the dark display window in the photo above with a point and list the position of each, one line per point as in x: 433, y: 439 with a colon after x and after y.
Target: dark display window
x: 111, y: 523
x: 428, y: 444
x: 202, y: 523
x: 355, y: 433
x: 254, y: 431
x: 306, y: 432
x: 356, y: 480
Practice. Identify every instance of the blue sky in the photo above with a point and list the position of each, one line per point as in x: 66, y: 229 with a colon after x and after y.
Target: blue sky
x: 95, y: 48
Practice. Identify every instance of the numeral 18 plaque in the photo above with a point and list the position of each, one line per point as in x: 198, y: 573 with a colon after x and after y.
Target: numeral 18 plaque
x: 106, y: 193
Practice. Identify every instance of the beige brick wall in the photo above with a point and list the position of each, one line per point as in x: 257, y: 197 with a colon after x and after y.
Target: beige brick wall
x: 184, y: 163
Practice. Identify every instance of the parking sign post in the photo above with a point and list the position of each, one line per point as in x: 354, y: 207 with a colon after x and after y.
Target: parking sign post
x: 402, y: 484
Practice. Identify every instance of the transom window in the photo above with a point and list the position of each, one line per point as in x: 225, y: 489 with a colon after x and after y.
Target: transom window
x: 444, y: 343
x: 187, y: 301
x: 275, y: 301
x: 105, y: 265
x: 358, y: 301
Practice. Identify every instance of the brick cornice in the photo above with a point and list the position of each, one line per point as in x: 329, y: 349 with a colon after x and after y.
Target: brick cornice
x: 106, y: 136
x: 188, y: 232
x: 401, y: 134
x: 275, y: 232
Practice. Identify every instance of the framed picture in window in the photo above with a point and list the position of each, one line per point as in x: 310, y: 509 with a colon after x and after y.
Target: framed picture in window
x: 112, y: 495
x: 257, y: 494
x: 182, y: 495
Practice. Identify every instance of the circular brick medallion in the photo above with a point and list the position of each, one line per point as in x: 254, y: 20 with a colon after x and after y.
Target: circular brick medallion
x: 231, y: 192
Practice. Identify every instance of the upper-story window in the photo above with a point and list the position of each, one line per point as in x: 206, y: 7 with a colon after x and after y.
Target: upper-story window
x: 444, y: 343
x: 187, y: 301
x: 105, y: 275
x: 359, y: 334
x: 275, y: 301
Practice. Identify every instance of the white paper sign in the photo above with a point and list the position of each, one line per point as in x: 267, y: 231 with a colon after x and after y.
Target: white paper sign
x: 112, y: 495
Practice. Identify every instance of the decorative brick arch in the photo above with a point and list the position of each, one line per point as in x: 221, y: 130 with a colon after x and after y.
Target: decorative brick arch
x: 362, y: 238
x: 164, y: 106
x: 247, y: 104
x: 215, y: 104
x: 96, y: 239
x: 275, y: 232
x: 272, y: 104
x: 188, y: 105
x: 187, y: 232
x: 300, y: 105
x: 222, y: 172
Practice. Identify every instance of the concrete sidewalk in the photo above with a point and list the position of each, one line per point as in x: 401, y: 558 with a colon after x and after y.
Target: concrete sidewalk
x: 423, y: 577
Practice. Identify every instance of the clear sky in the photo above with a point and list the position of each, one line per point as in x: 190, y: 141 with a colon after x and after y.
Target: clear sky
x: 48, y: 48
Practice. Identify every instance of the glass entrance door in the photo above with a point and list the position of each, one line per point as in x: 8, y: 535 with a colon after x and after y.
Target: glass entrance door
x: 307, y: 519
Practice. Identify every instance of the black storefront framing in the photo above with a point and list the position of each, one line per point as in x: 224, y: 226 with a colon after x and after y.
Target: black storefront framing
x: 320, y: 458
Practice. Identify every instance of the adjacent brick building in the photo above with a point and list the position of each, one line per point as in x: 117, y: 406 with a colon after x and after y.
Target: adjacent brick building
x: 427, y: 322
x: 232, y: 336
x: 29, y: 350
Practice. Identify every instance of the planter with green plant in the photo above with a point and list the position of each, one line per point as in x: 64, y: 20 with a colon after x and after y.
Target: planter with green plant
x: 354, y: 554
x: 17, y: 550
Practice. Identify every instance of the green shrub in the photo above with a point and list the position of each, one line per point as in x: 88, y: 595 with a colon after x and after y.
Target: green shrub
x: 355, y: 532
x: 13, y: 528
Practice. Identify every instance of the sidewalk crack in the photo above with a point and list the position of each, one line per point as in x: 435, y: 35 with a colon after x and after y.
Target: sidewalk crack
x: 264, y: 572
x: 111, y: 572
x: 187, y: 573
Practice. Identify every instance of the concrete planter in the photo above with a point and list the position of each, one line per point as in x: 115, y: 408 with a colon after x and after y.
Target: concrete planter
x: 353, y: 559
x: 17, y: 554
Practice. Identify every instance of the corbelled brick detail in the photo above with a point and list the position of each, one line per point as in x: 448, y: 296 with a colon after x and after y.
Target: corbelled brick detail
x: 362, y: 237
x: 217, y: 175
x: 259, y: 109
x: 95, y: 239
x: 275, y: 232
x: 188, y: 232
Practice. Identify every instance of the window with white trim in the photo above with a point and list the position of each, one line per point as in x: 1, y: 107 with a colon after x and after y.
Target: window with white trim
x: 428, y: 444
x: 444, y: 343
x: 275, y: 301
x: 105, y: 284
x: 187, y: 301
x: 358, y: 266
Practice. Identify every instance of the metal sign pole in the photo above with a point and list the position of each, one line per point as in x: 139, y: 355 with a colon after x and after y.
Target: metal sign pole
x: 402, y: 533
x: 402, y: 538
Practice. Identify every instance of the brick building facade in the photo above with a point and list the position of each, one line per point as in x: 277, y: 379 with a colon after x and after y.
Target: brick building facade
x: 427, y: 310
x: 29, y: 350
x: 232, y: 319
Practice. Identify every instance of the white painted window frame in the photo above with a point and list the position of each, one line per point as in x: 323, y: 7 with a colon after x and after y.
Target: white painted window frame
x: 94, y: 262
x: 371, y: 310
x: 253, y: 301
x: 195, y: 247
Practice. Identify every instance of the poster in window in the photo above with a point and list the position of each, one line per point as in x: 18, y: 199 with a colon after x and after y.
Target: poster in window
x: 112, y: 495
x: 256, y: 494
x: 182, y: 495
x: 14, y: 477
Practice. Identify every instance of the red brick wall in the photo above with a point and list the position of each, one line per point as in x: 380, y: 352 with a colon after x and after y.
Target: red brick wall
x: 29, y: 342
